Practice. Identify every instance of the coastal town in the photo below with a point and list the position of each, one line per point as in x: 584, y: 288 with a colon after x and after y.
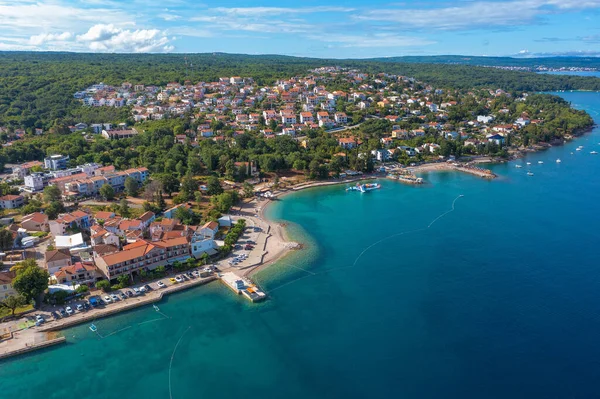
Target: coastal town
x: 110, y: 222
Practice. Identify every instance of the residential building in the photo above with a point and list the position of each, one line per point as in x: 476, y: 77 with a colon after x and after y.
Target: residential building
x: 208, y: 230
x: 57, y: 259
x: 11, y: 201
x: 35, y: 222
x: 6, y: 288
x: 56, y: 162
x: 119, y: 134
x: 78, y: 273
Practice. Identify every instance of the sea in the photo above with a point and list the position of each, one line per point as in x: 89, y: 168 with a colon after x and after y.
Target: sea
x: 459, y: 288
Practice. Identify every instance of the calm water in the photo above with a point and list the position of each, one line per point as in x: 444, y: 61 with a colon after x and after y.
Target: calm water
x: 498, y: 299
x: 575, y: 73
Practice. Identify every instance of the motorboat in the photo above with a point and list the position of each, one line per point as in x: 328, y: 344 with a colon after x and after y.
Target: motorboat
x: 529, y: 173
x: 518, y: 166
x: 528, y: 163
x: 558, y: 160
x: 540, y: 162
x: 594, y: 152
x: 93, y: 327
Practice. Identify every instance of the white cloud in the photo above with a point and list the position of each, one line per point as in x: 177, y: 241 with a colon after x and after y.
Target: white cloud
x: 265, y: 11
x: 478, y: 14
x: 42, y: 38
x: 109, y: 38
x: 374, y: 40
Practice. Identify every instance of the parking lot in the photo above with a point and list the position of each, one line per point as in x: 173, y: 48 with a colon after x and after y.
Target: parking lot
x: 117, y: 297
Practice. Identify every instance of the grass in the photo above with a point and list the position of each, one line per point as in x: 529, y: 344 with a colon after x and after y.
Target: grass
x: 6, y: 312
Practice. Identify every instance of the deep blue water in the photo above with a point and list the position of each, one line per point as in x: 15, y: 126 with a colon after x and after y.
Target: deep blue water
x: 574, y: 73
x: 499, y: 298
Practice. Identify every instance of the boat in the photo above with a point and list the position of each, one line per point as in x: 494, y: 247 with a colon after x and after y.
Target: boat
x: 363, y: 188
x: 518, y: 166
x: 156, y: 308
x: 594, y: 152
x: 540, y: 162
x: 577, y: 149
x: 528, y: 163
x: 93, y: 327
x: 530, y: 173
x: 558, y: 160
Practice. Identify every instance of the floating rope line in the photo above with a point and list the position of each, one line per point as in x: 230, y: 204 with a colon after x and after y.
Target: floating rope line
x: 172, y: 357
x: 94, y: 328
x: 310, y: 274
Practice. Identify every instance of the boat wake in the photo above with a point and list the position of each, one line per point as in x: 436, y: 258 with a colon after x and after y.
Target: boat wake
x: 94, y: 328
x: 310, y: 274
x: 172, y: 357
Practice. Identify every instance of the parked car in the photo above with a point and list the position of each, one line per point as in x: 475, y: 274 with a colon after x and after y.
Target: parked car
x: 173, y: 280
x: 129, y: 293
x: 136, y: 291
x: 62, y: 312
x: 69, y: 310
x: 107, y: 299
x: 122, y: 295
x: 86, y: 306
x: 161, y: 284
x: 79, y: 307
x: 248, y: 247
x: 142, y: 289
x: 55, y: 315
x: 147, y: 287
x: 39, y: 319
x: 114, y: 297
x: 179, y: 279
x: 237, y: 246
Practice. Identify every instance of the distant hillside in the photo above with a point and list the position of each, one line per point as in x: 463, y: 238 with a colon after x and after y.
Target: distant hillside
x: 550, y: 62
x: 36, y: 89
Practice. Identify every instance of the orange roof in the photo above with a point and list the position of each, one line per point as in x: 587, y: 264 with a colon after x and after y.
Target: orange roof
x: 10, y: 197
x: 104, y: 215
x: 129, y: 252
x: 36, y: 217
x: 210, y: 225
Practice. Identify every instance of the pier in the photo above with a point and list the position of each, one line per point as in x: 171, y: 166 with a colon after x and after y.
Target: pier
x: 242, y: 285
x: 405, y: 177
x: 474, y: 170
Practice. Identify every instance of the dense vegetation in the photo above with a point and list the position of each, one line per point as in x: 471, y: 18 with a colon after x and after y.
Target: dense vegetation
x: 36, y: 89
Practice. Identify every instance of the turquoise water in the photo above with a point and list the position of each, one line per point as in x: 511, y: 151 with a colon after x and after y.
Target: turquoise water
x: 575, y: 73
x: 498, y: 298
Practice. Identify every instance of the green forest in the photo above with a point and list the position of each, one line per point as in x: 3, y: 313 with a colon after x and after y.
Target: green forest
x: 36, y: 89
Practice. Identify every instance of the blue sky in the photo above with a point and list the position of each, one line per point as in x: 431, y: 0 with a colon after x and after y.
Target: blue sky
x: 348, y: 29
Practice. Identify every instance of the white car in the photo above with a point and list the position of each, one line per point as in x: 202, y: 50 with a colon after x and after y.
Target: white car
x: 114, y: 298
x: 143, y: 289
x: 69, y: 310
x: 107, y: 299
x: 161, y: 284
x: 79, y: 307
x: 40, y: 319
x: 179, y: 279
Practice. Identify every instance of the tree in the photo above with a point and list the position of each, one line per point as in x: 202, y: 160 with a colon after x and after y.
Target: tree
x: 52, y: 194
x: 124, y: 210
x: 54, y: 209
x: 6, y: 240
x: 104, y: 285
x: 107, y: 192
x: 189, y: 186
x: 170, y: 183
x: 213, y: 187
x: 224, y: 201
x: 13, y: 302
x: 124, y: 280
x: 248, y: 190
x: 31, y: 281
x: 82, y: 289
x: 131, y: 187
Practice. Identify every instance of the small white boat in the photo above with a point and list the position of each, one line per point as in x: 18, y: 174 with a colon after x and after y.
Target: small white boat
x: 528, y: 163
x: 93, y: 327
x: 518, y: 166
x: 156, y: 308
x: 577, y: 149
x: 558, y: 160
x: 529, y: 173
x: 594, y: 152
x: 540, y: 162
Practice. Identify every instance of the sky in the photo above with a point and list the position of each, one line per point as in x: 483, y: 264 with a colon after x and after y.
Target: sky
x: 323, y: 28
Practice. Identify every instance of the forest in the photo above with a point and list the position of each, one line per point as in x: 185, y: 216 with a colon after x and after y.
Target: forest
x: 36, y: 89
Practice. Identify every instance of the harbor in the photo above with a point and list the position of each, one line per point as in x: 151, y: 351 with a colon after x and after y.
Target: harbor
x: 405, y: 176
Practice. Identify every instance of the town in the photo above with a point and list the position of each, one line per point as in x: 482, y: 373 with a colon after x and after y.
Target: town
x: 172, y: 196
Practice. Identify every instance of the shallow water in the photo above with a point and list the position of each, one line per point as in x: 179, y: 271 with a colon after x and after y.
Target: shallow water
x: 498, y: 298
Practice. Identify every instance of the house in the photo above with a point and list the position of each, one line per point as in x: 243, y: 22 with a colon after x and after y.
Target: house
x: 341, y: 117
x: 11, y: 201
x: 170, y: 213
x: 119, y: 134
x: 34, y: 182
x: 70, y: 242
x: 6, y: 288
x: 347, y: 143
x: 56, y: 162
x: 306, y: 117
x: 250, y: 168
x: 75, y: 220
x: 99, y: 235
x: 57, y: 259
x: 209, y: 230
x: 495, y: 138
x: 146, y: 219
x: 78, y: 273
x: 35, y: 222
x: 225, y: 221
x: 381, y: 155
x: 485, y: 118
x: 104, y: 215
